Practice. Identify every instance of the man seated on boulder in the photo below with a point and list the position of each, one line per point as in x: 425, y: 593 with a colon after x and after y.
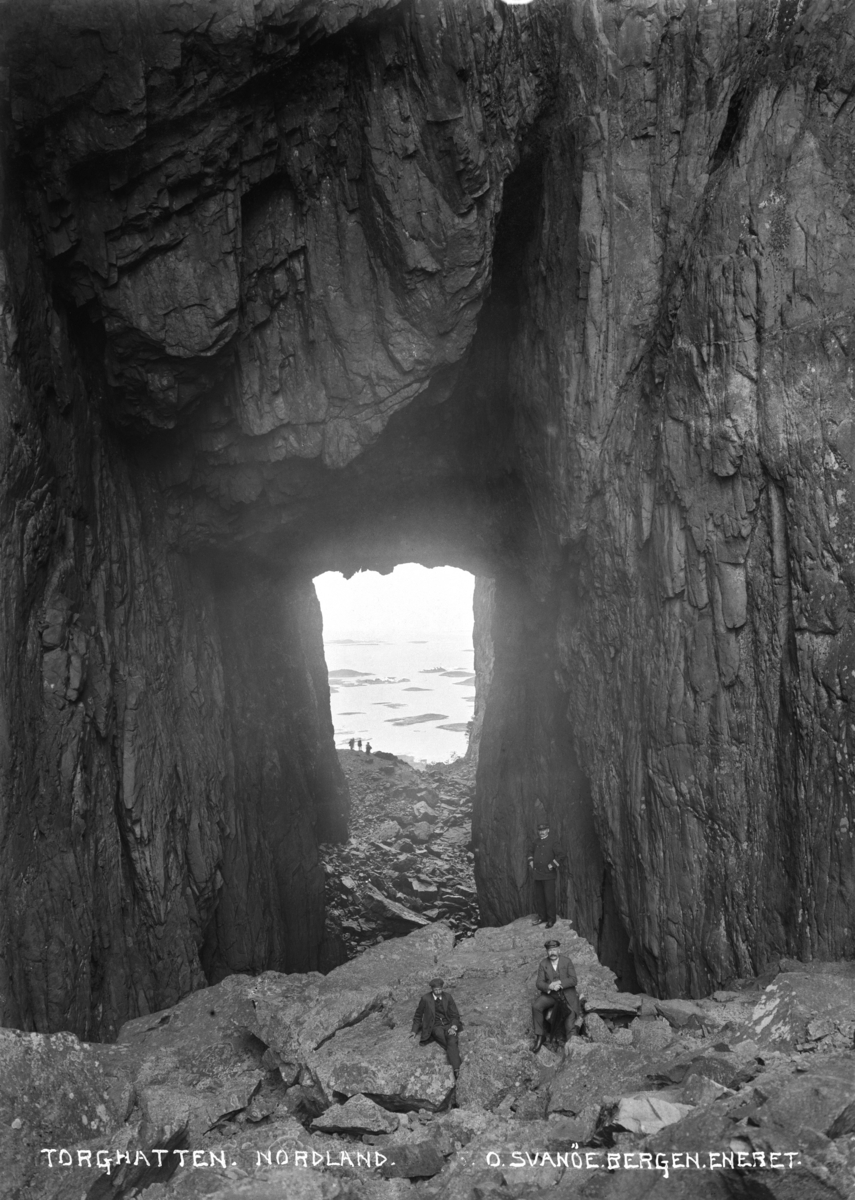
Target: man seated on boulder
x: 556, y: 982
x: 437, y: 1017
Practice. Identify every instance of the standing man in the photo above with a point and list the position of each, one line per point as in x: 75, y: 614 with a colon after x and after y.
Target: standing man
x: 437, y: 1017
x: 543, y: 862
x: 556, y: 983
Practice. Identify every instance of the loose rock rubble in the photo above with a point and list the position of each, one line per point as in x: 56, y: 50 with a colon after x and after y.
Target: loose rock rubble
x: 309, y: 1087
x: 408, y: 860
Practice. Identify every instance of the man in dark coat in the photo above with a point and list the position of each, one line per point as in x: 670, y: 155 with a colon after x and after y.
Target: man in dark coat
x: 437, y: 1017
x: 556, y: 979
x: 543, y: 862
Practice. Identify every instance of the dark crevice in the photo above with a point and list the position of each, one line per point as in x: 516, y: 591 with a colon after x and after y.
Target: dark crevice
x: 731, y: 127
x: 403, y: 1104
x: 375, y: 1006
x: 613, y: 946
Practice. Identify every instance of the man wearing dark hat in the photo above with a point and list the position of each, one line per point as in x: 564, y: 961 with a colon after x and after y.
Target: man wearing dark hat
x: 543, y: 862
x: 556, y: 978
x: 437, y: 1017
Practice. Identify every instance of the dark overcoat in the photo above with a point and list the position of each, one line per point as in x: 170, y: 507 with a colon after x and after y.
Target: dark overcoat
x: 425, y: 1016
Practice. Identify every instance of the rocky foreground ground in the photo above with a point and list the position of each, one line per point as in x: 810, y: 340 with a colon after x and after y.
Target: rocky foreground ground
x: 308, y: 1087
x: 408, y: 860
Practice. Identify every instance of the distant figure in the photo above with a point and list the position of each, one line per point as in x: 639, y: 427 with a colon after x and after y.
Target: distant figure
x: 352, y: 743
x: 556, y: 982
x: 437, y: 1018
x: 543, y: 861
x: 359, y: 743
x: 367, y: 747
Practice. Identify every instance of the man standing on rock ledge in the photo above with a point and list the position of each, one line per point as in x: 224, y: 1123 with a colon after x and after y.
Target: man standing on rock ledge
x: 437, y: 1017
x: 543, y: 862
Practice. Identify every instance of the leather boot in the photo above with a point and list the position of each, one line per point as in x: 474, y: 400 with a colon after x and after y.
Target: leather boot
x: 538, y: 1042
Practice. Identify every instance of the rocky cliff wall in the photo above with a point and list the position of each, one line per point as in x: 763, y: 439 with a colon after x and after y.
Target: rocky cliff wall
x: 557, y: 294
x: 684, y: 391
x: 237, y: 245
x: 136, y: 837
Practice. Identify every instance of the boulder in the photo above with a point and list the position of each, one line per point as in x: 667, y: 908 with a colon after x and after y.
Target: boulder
x: 414, y: 1160
x: 784, y: 1113
x: 197, y: 1099
x: 806, y: 1006
x: 646, y: 1112
x: 459, y: 836
x: 596, y: 1074
x: 295, y: 1014
x: 607, y: 1000
x: 356, y: 1115
x: 56, y: 1086
x: 651, y: 1033
x: 381, y: 906
x: 701, y: 1089
x: 596, y: 1028
x: 420, y: 833
x: 295, y: 1183
x: 423, y: 889
x: 385, y: 1063
x: 494, y: 1067
x: 682, y: 1014
x: 843, y: 1124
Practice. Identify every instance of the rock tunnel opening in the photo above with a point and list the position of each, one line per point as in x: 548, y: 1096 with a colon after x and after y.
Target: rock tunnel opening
x: 399, y: 654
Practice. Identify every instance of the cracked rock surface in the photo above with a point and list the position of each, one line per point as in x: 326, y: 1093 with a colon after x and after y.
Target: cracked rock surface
x: 310, y: 1085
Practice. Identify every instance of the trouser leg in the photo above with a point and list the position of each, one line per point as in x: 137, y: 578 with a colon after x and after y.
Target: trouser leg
x: 540, y: 898
x: 549, y: 898
x: 448, y: 1041
x: 538, y: 1008
x: 574, y: 1010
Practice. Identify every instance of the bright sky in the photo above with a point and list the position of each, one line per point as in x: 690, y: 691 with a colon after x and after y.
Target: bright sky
x: 428, y: 600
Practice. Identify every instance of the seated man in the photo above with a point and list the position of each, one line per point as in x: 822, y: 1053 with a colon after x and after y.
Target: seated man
x: 437, y: 1017
x: 556, y: 982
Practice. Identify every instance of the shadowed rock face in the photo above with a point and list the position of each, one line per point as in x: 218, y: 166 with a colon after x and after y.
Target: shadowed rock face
x: 561, y: 295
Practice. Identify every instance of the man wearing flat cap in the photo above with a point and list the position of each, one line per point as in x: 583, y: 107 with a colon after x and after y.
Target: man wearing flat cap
x: 556, y: 984
x: 437, y: 1018
x: 543, y: 862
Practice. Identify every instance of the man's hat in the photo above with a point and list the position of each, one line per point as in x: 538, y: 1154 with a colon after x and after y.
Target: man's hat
x: 437, y: 983
x: 542, y: 826
x: 550, y: 943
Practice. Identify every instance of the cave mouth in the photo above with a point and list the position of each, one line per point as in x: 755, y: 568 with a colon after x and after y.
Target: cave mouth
x: 400, y: 658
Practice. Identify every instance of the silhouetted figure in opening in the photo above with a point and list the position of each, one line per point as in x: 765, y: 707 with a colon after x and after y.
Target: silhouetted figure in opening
x: 352, y: 743
x: 367, y: 747
x: 359, y: 743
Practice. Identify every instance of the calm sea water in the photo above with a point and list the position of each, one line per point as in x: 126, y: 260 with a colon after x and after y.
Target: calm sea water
x: 375, y: 686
